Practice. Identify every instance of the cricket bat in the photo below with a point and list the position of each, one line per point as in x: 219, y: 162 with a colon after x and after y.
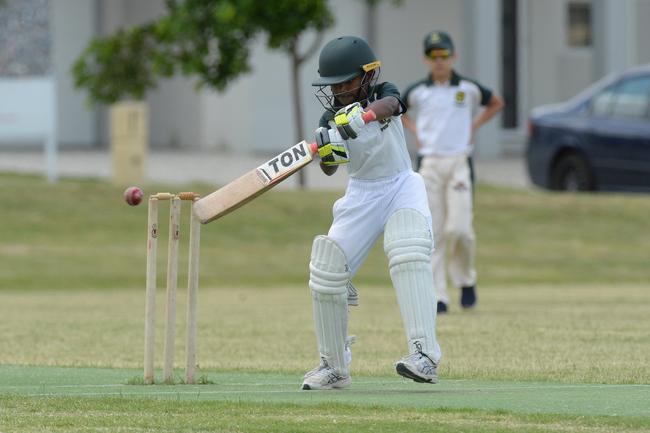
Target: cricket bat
x: 250, y: 185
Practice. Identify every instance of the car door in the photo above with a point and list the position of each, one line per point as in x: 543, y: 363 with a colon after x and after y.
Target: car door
x: 620, y: 134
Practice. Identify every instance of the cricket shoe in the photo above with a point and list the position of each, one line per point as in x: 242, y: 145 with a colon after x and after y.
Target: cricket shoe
x: 325, y: 377
x: 349, y: 341
x: 468, y: 296
x: 418, y: 367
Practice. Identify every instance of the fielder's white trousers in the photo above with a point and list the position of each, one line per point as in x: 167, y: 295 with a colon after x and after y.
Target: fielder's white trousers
x: 361, y: 214
x: 449, y: 190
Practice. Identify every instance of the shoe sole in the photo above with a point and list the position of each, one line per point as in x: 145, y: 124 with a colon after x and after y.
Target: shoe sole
x: 467, y: 304
x: 403, y: 371
x: 306, y: 387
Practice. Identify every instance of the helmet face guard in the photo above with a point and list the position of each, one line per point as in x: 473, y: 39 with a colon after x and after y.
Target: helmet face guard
x: 330, y: 101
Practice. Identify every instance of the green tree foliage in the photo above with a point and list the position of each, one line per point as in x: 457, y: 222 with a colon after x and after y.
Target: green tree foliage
x: 206, y: 39
x: 123, y: 65
x: 212, y: 37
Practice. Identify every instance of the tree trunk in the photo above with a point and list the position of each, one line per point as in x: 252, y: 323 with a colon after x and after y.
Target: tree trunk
x: 296, y: 62
x: 297, y: 106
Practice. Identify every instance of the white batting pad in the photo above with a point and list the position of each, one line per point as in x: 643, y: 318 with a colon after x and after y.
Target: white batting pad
x: 328, y: 281
x: 408, y: 244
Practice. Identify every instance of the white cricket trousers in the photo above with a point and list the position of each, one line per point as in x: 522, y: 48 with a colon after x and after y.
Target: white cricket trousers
x: 361, y: 214
x: 449, y: 190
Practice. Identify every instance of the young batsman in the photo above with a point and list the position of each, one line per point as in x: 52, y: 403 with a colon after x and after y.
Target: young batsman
x: 383, y: 195
x: 444, y: 124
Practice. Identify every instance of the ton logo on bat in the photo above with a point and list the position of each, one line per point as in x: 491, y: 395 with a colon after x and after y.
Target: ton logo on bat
x: 281, y: 163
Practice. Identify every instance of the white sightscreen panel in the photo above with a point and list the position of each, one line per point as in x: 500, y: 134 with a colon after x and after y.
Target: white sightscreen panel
x: 26, y: 109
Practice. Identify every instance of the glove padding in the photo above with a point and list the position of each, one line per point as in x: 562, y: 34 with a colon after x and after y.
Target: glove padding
x: 331, y: 147
x: 349, y: 121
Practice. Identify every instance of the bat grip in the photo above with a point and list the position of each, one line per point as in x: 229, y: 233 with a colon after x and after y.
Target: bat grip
x: 369, y: 116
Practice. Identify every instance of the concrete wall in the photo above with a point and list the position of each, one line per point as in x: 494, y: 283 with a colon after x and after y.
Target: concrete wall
x: 400, y: 48
x: 402, y: 30
x: 547, y: 36
x: 255, y: 112
x: 556, y: 71
x: 175, y: 117
x: 615, y: 35
x: 77, y: 122
x: 485, y: 65
x: 643, y: 31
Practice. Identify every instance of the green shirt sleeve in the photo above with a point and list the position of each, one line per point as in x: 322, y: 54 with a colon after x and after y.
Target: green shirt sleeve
x: 486, y: 93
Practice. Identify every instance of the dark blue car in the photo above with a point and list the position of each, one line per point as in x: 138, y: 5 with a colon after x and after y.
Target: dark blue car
x: 599, y: 140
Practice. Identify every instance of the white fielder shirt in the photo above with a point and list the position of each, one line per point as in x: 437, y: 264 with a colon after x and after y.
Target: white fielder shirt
x: 443, y: 113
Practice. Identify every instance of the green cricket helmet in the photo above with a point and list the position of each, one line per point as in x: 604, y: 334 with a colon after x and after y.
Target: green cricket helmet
x: 343, y: 59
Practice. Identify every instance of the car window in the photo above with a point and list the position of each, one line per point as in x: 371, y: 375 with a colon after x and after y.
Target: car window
x: 601, y: 103
x: 631, y: 99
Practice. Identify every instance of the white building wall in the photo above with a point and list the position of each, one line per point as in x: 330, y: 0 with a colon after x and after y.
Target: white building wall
x: 556, y: 71
x: 482, y: 18
x: 546, y: 29
x: 402, y: 31
x: 72, y: 26
x: 255, y: 112
x: 400, y: 35
x: 642, y: 31
x: 615, y: 35
x: 175, y: 118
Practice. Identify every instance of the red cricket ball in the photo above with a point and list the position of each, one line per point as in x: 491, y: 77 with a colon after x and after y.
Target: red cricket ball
x: 133, y: 195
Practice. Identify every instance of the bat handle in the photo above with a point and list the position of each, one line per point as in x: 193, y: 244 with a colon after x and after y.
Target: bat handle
x: 369, y: 116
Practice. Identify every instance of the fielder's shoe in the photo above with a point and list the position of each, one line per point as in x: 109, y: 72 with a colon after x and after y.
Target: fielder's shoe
x: 353, y: 295
x: 325, y: 377
x: 349, y: 341
x: 442, y: 307
x: 418, y: 367
x: 468, y: 296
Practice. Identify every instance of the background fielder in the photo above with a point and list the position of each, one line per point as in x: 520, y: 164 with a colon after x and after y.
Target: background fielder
x: 383, y: 195
x: 444, y: 125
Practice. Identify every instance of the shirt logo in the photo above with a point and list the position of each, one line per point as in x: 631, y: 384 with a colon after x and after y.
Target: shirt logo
x: 460, y: 98
x: 384, y: 123
x: 460, y: 186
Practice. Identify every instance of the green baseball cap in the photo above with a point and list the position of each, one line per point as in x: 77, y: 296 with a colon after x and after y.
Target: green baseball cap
x: 438, y: 40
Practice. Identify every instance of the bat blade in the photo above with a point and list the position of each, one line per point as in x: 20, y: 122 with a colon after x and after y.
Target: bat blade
x: 250, y: 185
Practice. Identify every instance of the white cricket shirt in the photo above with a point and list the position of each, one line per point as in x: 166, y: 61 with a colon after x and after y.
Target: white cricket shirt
x: 380, y: 149
x: 443, y: 113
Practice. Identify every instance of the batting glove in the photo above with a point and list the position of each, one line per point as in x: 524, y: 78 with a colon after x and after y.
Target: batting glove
x: 331, y: 147
x: 349, y: 121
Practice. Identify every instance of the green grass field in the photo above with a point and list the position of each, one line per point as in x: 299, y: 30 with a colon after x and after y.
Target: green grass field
x: 559, y: 341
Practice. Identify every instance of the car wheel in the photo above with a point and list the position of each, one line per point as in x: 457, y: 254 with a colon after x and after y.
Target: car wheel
x: 572, y: 173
